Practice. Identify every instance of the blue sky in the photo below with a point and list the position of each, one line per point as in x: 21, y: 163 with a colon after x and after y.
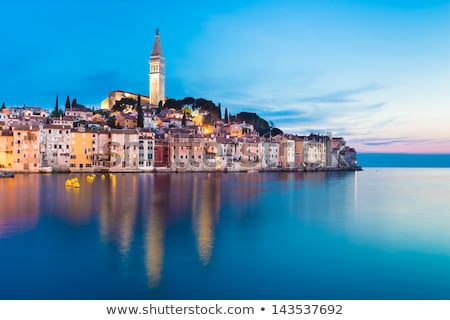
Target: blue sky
x: 376, y: 72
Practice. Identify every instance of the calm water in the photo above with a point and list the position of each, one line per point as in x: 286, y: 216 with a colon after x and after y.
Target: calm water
x: 378, y: 234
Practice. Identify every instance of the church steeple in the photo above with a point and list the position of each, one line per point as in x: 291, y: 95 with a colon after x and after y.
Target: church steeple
x: 157, y: 51
x: 157, y: 73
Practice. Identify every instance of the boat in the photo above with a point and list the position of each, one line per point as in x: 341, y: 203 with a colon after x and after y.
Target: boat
x: 46, y: 170
x: 6, y: 174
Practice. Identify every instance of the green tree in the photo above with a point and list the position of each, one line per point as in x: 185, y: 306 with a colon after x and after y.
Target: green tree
x: 226, y: 115
x: 3, y: 105
x: 74, y: 103
x: 124, y: 103
x: 112, y: 122
x: 183, y: 120
x: 140, y: 117
x: 220, y: 111
x: 160, y: 107
x: 55, y: 113
x: 67, y: 103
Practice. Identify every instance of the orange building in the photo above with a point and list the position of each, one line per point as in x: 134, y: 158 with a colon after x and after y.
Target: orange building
x: 26, y: 148
x: 80, y: 150
x: 6, y: 149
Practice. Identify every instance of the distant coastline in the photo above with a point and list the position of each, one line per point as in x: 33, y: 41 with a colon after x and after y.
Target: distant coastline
x: 403, y: 160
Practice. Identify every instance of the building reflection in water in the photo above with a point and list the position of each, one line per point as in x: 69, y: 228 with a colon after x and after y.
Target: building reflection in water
x: 158, y: 191
x: 19, y: 201
x: 154, y: 238
x: 118, y: 210
x: 205, y: 212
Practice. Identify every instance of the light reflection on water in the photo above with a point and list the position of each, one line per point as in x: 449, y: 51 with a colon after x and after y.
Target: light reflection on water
x: 274, y: 235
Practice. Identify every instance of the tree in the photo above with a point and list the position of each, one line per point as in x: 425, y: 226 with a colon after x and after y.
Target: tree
x: 74, y: 103
x: 67, y: 103
x: 220, y: 111
x: 226, y: 115
x: 140, y: 117
x: 160, y: 106
x: 55, y: 113
x: 112, y: 122
x: 3, y: 105
x: 123, y: 104
x: 183, y: 120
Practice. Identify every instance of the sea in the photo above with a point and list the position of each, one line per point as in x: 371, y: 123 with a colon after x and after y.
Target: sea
x: 381, y: 233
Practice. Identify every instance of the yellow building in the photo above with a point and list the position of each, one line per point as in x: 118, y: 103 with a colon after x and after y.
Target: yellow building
x: 26, y: 148
x: 6, y: 149
x: 80, y: 150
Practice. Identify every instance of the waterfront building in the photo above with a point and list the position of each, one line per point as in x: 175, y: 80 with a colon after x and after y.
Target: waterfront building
x: 286, y: 150
x: 26, y: 148
x: 80, y: 150
x: 270, y: 155
x: 124, y: 149
x: 298, y: 152
x: 315, y: 151
x: 157, y: 73
x: 226, y: 147
x: 100, y: 149
x: 337, y: 145
x: 146, y: 149
x: 55, y: 147
x: 6, y: 149
x: 161, y: 154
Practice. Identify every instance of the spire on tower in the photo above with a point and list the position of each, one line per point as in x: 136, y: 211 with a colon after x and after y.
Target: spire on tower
x: 157, y: 51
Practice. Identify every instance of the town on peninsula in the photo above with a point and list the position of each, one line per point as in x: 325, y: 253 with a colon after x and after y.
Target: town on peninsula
x: 131, y: 132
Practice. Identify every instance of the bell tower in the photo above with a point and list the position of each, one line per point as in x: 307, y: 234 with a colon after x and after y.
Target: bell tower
x: 157, y: 73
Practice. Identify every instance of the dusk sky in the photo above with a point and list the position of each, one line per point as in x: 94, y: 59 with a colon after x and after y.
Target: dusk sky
x: 376, y: 72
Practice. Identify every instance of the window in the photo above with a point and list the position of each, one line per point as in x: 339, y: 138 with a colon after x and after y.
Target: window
x: 81, y: 165
x: 88, y: 165
x: 72, y: 165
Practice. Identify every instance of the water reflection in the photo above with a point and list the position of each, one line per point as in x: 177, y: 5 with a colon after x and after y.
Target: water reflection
x: 158, y: 236
x: 19, y: 201
x: 118, y: 209
x: 154, y: 228
x: 205, y: 212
